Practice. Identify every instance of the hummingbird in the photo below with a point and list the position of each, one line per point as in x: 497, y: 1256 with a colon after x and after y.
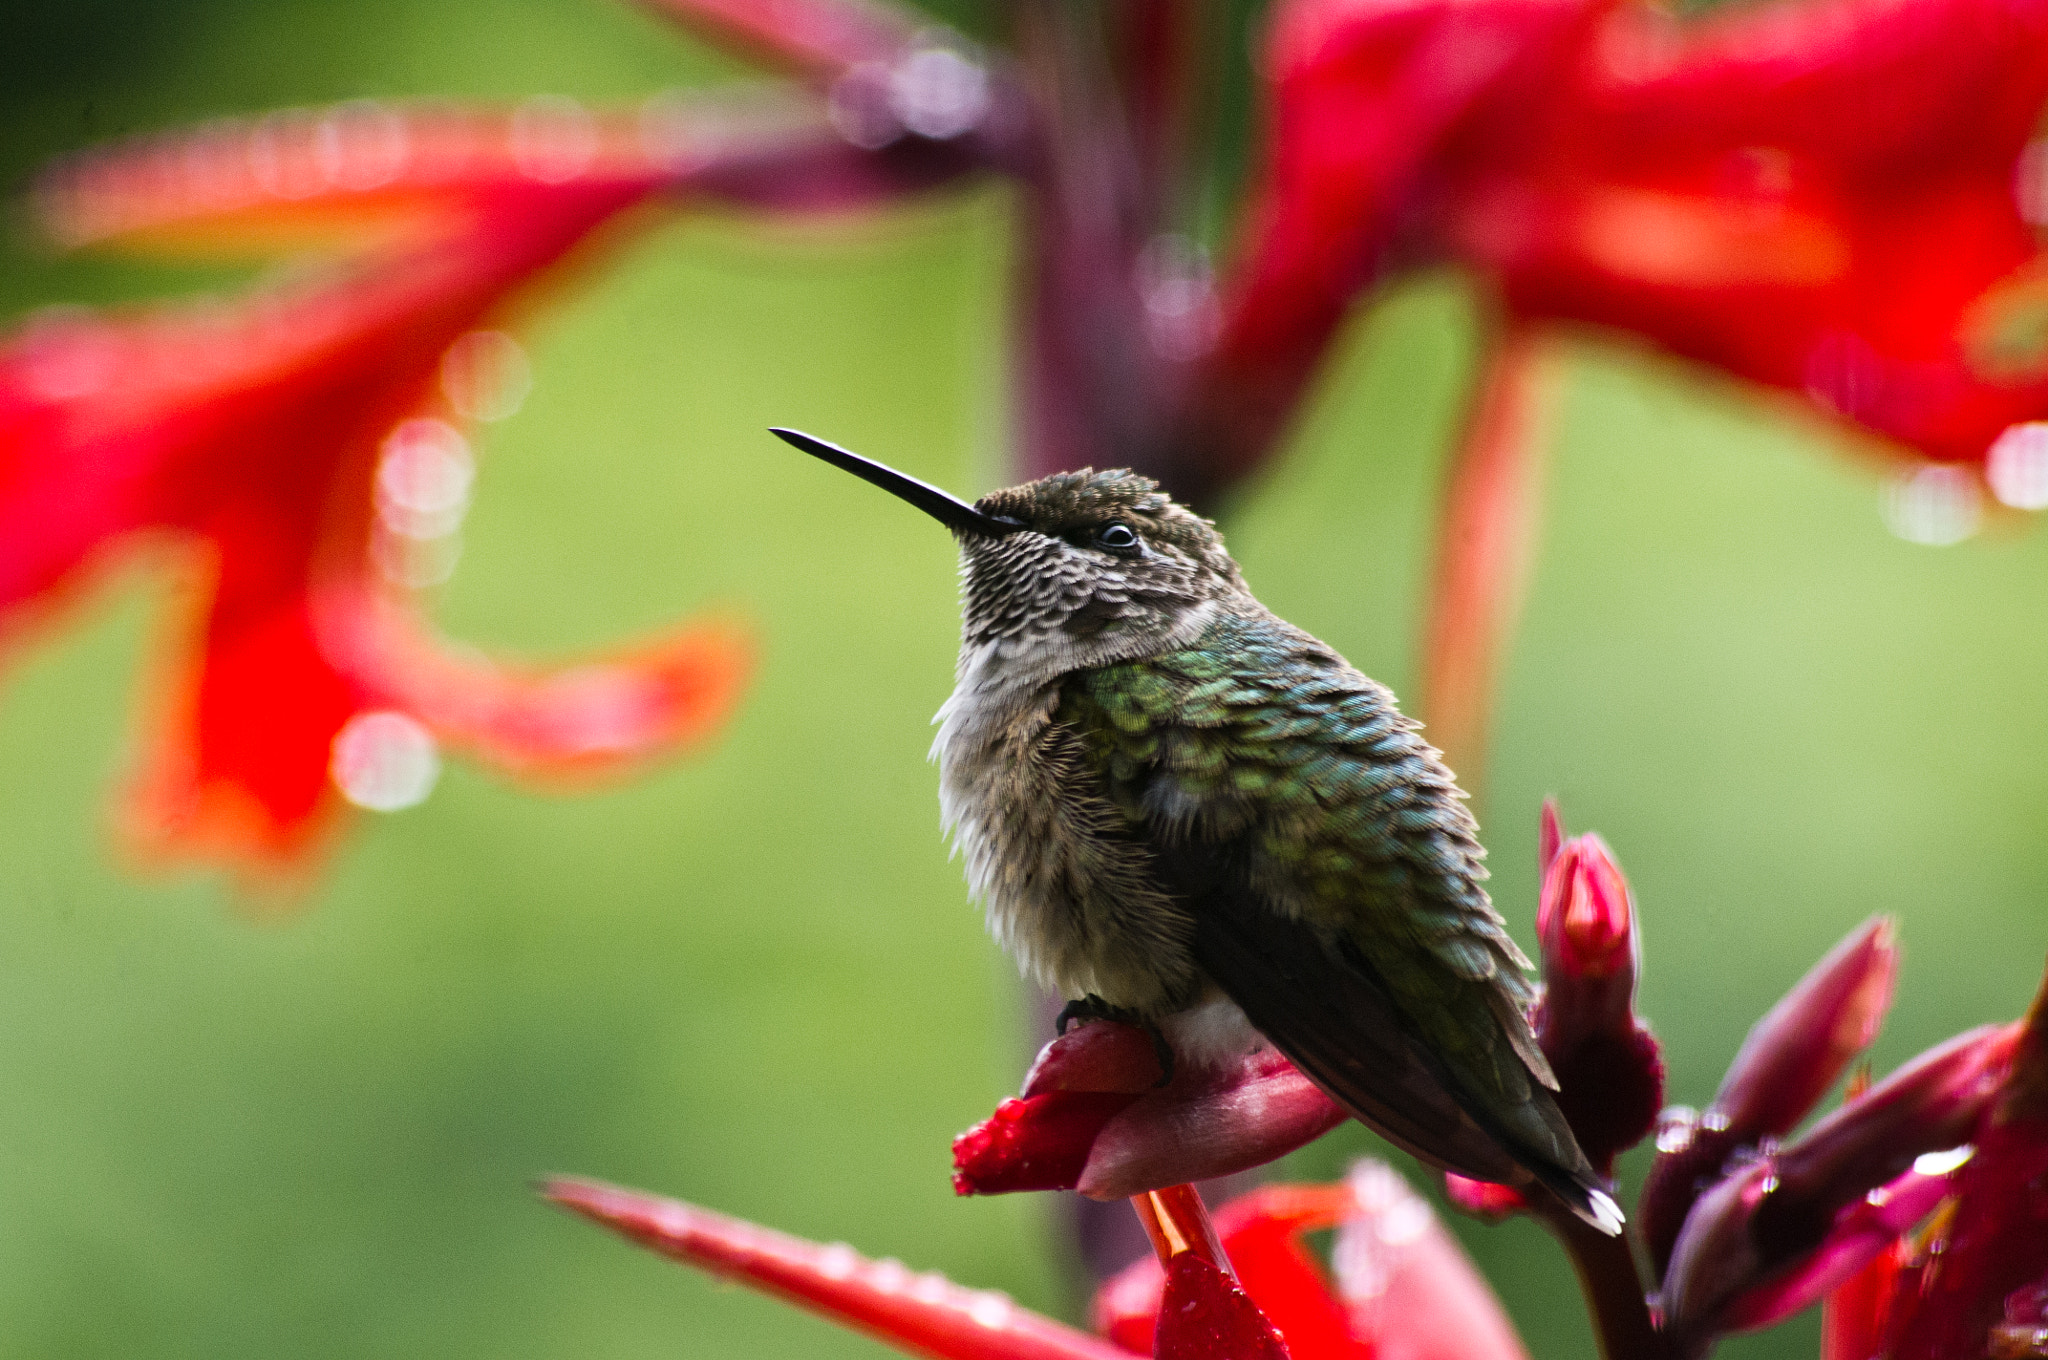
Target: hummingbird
x: 1180, y: 811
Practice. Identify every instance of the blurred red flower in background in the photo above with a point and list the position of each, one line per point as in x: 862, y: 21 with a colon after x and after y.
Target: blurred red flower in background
x: 1832, y: 198
x: 310, y: 439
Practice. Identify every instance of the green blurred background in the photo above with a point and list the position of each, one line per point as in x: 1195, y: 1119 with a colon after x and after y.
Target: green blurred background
x: 752, y: 979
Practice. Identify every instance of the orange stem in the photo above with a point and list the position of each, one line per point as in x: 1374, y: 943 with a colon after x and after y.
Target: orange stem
x: 1486, y: 544
x: 1177, y: 1221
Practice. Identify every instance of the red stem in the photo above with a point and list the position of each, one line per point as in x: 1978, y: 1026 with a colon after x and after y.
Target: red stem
x: 1486, y: 545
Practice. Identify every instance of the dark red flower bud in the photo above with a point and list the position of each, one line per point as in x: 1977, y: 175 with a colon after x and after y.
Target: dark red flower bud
x: 1791, y: 1057
x: 1796, y: 1221
x: 1608, y: 1065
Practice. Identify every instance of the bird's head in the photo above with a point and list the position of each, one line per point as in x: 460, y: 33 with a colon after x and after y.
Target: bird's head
x: 1090, y: 565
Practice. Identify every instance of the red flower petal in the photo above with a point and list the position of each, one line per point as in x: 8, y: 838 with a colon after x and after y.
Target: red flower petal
x: 1412, y: 1292
x: 1790, y: 1059
x: 1403, y: 1286
x: 350, y: 176
x: 1816, y: 197
x: 1040, y: 1142
x: 923, y: 1314
x: 820, y: 38
x: 1992, y: 1248
x: 1852, y: 1317
x: 253, y: 432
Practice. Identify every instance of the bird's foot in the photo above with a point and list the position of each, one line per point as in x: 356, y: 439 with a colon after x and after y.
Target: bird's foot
x: 1093, y: 1007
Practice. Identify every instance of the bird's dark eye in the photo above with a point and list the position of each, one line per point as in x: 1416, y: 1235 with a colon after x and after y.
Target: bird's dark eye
x: 1116, y: 536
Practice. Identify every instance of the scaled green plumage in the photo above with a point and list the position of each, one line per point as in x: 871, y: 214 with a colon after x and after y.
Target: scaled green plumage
x: 1259, y: 736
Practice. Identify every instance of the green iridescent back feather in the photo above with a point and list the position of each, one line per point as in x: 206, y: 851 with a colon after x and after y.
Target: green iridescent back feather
x: 1261, y: 738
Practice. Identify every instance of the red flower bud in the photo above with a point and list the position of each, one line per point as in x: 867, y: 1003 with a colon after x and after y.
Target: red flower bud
x: 1781, y: 1231
x: 1791, y: 1057
x: 1609, y: 1068
x: 1092, y: 1118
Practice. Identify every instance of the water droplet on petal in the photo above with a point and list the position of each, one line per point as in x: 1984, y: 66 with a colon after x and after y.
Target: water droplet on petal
x: 385, y: 761
x: 859, y: 107
x: 1941, y: 1163
x: 284, y: 154
x: 1936, y: 505
x: 991, y: 1309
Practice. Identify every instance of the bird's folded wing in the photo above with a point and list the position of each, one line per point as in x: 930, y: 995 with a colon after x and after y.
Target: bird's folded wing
x: 1335, y: 1023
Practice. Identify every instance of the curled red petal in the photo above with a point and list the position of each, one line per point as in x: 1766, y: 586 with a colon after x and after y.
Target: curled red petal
x: 1402, y: 1288
x: 568, y: 720
x: 1101, y: 1055
x: 1263, y: 1232
x: 253, y: 432
x: 924, y: 1314
x: 1094, y: 1118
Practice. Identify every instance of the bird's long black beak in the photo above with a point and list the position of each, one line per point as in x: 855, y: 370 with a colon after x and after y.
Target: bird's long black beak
x: 942, y: 506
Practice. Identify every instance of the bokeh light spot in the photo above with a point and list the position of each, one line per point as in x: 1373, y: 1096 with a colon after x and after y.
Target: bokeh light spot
x: 2017, y: 468
x: 486, y: 376
x: 385, y: 761
x: 1937, y: 505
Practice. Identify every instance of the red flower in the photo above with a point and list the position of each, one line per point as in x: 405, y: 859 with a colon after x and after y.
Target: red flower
x: 1830, y: 198
x: 1819, y: 197
x: 307, y: 441
x: 1402, y: 1286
